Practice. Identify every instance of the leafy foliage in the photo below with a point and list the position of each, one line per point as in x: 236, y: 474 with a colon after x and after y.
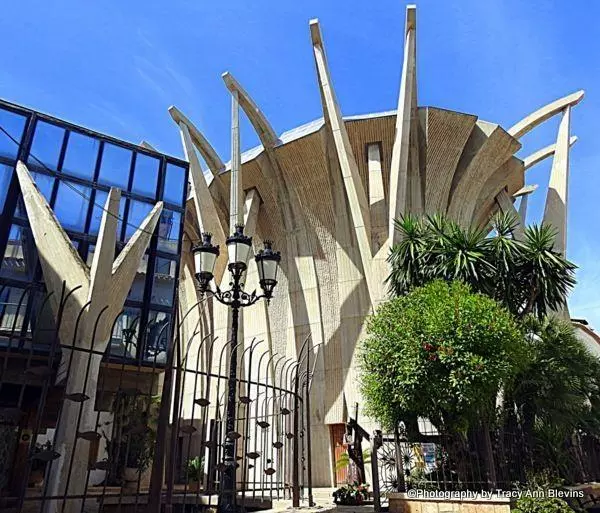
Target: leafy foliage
x: 557, y: 393
x: 534, y: 504
x: 351, y: 494
x: 527, y: 276
x: 440, y: 352
x: 343, y: 460
x: 194, y: 469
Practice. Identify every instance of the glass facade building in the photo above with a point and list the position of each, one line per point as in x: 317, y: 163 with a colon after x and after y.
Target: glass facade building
x: 74, y: 168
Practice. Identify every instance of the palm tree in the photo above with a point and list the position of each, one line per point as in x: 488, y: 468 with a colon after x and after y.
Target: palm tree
x: 527, y: 276
x: 556, y: 396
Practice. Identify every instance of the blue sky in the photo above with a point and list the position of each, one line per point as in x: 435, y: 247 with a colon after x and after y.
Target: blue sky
x: 116, y: 66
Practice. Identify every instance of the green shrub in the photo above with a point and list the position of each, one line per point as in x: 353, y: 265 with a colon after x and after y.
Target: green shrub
x: 541, y: 505
x: 440, y: 352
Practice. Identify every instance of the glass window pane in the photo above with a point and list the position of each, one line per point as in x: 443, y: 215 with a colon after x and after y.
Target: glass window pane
x: 13, y: 304
x: 136, y: 293
x: 145, y: 175
x: 80, y: 158
x: 126, y: 334
x: 44, y: 183
x: 46, y: 146
x: 163, y: 282
x: 19, y: 257
x: 5, y: 176
x: 168, y: 231
x: 158, y: 333
x: 174, y: 184
x: 116, y: 163
x: 138, y: 210
x: 72, y: 205
x: 14, y: 124
x: 98, y: 210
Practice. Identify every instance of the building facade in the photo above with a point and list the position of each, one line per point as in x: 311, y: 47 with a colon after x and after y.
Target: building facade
x: 327, y: 194
x: 75, y: 168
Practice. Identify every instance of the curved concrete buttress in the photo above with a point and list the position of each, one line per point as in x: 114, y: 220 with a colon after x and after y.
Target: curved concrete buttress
x: 206, y: 211
x: 538, y: 156
x: 446, y: 134
x: 528, y: 123
x: 303, y: 280
x: 508, y: 177
x: 353, y: 186
x: 260, y: 123
x: 488, y: 147
x: 210, y: 156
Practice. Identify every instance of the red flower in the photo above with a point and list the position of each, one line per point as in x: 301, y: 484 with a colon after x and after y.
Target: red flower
x: 428, y: 347
x: 432, y: 357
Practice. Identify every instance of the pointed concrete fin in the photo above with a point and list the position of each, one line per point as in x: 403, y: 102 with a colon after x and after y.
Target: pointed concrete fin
x: 60, y: 261
x: 355, y: 191
x: 407, y: 104
x: 525, y: 191
x: 544, y: 153
x: 528, y: 123
x: 251, y: 207
x: 127, y: 263
x: 206, y: 210
x: 210, y: 156
x: 266, y: 134
x: 236, y: 207
x: 505, y: 202
x: 104, y: 254
x: 147, y: 146
x: 555, y: 210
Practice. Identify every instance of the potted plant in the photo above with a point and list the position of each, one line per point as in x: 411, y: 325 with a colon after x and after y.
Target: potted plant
x: 138, y: 448
x: 131, y: 444
x: 194, y: 472
x: 351, y: 494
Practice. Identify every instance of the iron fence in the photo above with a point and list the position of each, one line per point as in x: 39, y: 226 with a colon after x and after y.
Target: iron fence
x: 83, y: 432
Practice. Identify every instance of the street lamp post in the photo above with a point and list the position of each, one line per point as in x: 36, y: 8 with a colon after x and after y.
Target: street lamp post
x: 205, y: 256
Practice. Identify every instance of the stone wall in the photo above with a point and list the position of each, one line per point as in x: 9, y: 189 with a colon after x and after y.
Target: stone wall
x: 401, y: 503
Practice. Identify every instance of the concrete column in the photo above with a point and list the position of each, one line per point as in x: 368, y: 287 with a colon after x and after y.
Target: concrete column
x: 555, y: 211
x: 101, y: 295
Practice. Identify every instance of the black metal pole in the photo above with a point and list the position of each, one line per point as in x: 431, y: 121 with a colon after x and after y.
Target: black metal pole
x: 311, y: 501
x: 228, y: 492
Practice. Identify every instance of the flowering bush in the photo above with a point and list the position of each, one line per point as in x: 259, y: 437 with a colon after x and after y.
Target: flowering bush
x: 440, y: 352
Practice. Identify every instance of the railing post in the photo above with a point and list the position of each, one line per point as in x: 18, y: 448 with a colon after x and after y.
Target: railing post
x: 376, y: 442
x: 295, y: 450
x: 158, y: 463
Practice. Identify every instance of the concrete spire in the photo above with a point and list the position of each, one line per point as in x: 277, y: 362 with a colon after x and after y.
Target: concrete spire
x: 101, y: 295
x: 355, y: 191
x: 524, y: 193
x: 236, y: 211
x: 505, y: 202
x: 555, y: 211
x: 407, y: 105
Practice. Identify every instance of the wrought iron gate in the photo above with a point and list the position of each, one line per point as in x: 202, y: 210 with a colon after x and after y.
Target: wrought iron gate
x: 152, y: 435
